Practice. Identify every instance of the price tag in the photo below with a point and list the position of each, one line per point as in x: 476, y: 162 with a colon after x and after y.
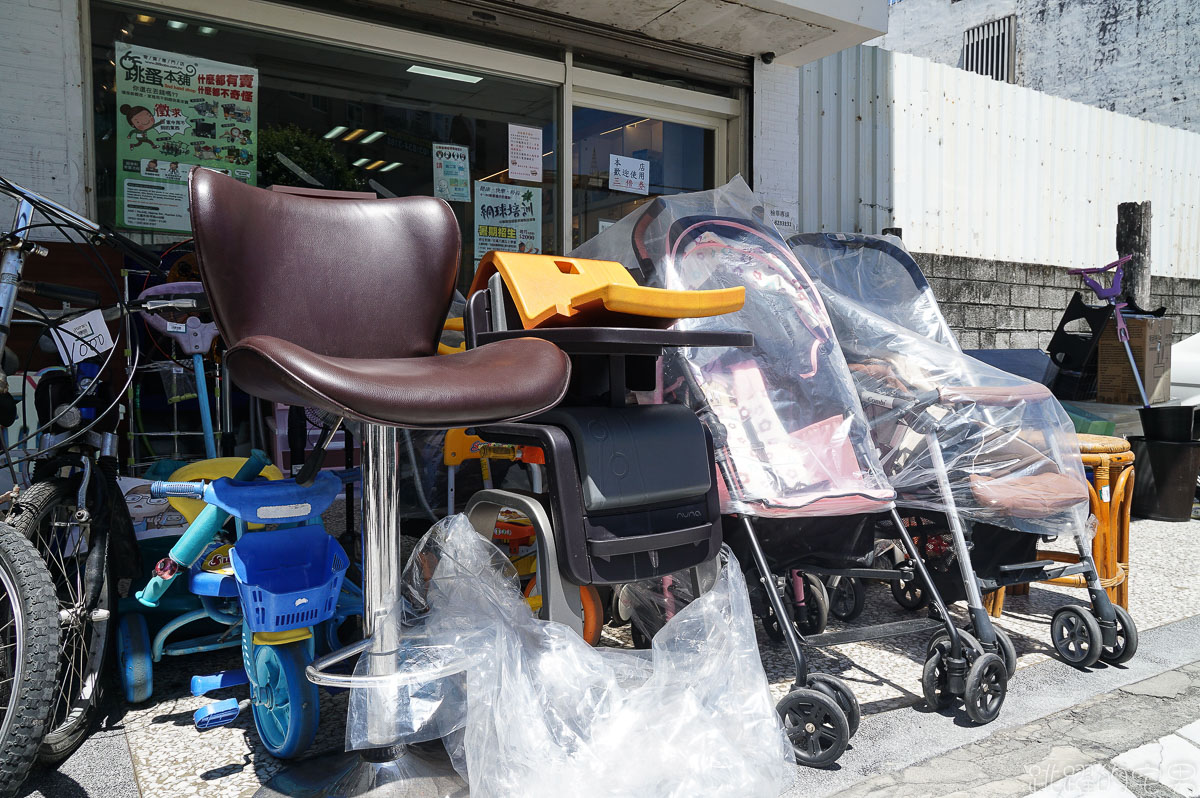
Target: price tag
x: 83, y: 337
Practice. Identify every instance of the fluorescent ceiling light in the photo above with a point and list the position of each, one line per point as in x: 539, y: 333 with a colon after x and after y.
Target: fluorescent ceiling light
x: 444, y: 73
x: 361, y: 161
x: 373, y: 137
x: 337, y: 131
x: 391, y: 166
x: 205, y: 30
x: 376, y: 165
x: 175, y: 24
x: 353, y: 134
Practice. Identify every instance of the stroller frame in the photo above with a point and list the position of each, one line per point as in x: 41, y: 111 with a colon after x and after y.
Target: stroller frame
x: 1080, y: 638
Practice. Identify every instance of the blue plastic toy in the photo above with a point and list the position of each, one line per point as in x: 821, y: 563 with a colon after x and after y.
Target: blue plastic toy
x: 270, y: 590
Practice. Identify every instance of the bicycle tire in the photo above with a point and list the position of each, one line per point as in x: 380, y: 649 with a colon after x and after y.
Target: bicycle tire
x: 88, y: 641
x: 33, y: 662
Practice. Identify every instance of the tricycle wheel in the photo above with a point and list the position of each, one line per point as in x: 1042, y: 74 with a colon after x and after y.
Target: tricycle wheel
x: 133, y: 653
x: 286, y: 703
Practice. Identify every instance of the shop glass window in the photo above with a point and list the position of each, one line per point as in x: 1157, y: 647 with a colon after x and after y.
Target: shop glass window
x: 623, y: 160
x: 277, y: 111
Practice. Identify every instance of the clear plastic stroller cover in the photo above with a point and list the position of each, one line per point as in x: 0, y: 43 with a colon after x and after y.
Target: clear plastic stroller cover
x: 1002, y: 451
x: 792, y: 439
x: 535, y: 711
x: 878, y: 273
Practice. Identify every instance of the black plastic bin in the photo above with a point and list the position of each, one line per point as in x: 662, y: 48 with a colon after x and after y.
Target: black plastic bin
x: 1171, y: 423
x: 1165, y: 482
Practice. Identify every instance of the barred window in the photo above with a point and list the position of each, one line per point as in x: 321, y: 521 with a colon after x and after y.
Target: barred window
x: 990, y: 49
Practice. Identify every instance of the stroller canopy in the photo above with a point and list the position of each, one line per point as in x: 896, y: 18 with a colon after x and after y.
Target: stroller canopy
x: 791, y: 437
x: 954, y: 434
x: 878, y: 273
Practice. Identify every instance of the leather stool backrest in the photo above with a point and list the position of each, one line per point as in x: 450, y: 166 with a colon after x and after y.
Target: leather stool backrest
x: 346, y: 278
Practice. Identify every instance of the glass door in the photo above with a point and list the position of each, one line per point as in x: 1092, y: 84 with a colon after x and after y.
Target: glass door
x: 621, y: 160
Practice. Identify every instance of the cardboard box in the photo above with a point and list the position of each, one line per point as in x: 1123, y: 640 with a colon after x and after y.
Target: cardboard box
x: 1150, y: 341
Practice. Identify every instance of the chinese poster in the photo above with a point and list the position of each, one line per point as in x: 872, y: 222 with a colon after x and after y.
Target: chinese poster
x: 628, y: 174
x: 525, y: 153
x: 451, y: 173
x: 174, y: 113
x: 507, y: 218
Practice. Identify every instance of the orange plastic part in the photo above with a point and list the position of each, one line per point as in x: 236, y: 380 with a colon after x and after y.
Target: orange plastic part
x: 593, y: 615
x: 552, y: 291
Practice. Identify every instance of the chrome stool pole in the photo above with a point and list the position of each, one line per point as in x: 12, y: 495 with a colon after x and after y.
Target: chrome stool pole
x: 390, y: 770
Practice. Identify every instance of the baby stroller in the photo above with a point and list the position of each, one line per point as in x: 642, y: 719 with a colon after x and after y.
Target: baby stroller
x: 792, y: 443
x: 968, y: 448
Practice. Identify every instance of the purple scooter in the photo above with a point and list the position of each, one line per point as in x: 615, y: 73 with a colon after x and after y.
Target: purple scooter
x: 1110, y: 295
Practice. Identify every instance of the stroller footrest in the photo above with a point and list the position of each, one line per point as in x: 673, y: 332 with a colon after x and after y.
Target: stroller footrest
x: 1034, y: 565
x: 216, y: 714
x: 218, y: 681
x: 911, y: 626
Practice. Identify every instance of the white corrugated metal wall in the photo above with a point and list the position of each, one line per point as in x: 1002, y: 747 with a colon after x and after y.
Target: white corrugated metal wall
x: 974, y: 167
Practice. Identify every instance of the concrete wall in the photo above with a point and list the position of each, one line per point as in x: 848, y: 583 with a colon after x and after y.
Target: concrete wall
x: 44, y: 146
x: 1135, y: 57
x: 1001, y: 305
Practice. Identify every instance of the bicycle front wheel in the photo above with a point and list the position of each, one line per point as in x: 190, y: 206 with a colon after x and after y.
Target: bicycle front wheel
x: 28, y: 651
x: 45, y: 514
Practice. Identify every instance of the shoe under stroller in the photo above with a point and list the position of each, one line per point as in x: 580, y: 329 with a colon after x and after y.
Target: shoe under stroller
x: 971, y: 450
x: 792, y: 443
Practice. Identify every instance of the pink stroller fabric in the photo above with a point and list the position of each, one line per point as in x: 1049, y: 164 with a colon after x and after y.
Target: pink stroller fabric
x: 792, y: 438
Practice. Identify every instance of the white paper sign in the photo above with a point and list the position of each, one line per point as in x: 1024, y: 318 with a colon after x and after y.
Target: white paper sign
x: 507, y: 218
x: 525, y: 153
x: 784, y: 218
x: 83, y: 337
x: 451, y: 173
x: 628, y: 174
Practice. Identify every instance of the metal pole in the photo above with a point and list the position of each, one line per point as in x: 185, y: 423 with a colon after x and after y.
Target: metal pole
x: 382, y: 560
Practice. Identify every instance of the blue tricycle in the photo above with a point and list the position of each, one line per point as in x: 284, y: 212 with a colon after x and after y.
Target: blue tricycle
x: 280, y: 593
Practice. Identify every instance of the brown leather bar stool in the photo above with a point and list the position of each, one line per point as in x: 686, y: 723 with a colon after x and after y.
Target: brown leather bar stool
x: 337, y: 304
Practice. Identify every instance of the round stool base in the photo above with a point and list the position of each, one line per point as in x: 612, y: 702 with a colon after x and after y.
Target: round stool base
x: 413, y: 774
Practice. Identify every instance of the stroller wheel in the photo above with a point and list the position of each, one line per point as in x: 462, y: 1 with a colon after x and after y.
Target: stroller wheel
x: 847, y: 600
x: 619, y: 610
x: 815, y: 725
x: 1076, y: 636
x: 771, y: 623
x: 910, y: 595
x: 1127, y: 639
x: 812, y: 618
x: 935, y: 678
x: 987, y: 684
x: 840, y: 692
x: 1007, y: 651
x: 971, y: 646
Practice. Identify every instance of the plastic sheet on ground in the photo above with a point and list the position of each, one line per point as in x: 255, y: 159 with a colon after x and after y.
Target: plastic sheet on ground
x: 1003, y: 451
x: 537, y: 712
x: 791, y: 436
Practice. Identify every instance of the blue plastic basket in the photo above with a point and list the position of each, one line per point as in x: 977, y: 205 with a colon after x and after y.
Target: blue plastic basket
x: 288, y: 578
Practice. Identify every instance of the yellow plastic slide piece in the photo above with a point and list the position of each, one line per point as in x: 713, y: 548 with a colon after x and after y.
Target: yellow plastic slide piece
x: 552, y: 291
x: 281, y: 638
x: 208, y: 470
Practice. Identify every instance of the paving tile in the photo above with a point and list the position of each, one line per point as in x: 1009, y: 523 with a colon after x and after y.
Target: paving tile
x: 1191, y: 732
x: 1171, y: 761
x: 1093, y: 781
